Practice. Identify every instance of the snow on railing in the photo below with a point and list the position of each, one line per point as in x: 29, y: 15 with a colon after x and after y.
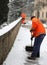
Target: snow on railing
x: 9, y: 26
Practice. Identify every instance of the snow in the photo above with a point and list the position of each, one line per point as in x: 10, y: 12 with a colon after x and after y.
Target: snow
x: 18, y: 55
x: 27, y: 25
x: 9, y: 27
x: 45, y: 25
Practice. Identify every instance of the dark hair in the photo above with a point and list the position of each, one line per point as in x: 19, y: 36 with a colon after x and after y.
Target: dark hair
x: 33, y: 17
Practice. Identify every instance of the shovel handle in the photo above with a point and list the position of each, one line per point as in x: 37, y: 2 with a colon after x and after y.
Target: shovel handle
x: 31, y: 42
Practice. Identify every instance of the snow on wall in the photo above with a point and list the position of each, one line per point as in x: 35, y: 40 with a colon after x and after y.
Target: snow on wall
x: 9, y: 27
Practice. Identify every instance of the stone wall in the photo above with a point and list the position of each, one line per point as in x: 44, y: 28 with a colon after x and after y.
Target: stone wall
x: 6, y: 42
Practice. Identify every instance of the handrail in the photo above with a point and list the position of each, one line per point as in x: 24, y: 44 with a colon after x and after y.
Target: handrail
x: 9, y: 26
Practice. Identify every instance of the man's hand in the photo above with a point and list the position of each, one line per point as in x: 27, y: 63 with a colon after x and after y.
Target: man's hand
x: 32, y: 30
x: 32, y: 38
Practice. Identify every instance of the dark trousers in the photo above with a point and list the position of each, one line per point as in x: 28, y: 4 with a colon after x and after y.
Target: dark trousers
x: 37, y: 44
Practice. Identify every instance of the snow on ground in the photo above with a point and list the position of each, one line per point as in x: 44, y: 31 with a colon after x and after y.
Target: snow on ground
x: 18, y: 55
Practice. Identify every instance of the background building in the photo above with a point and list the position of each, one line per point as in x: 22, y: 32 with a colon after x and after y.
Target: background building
x: 40, y: 9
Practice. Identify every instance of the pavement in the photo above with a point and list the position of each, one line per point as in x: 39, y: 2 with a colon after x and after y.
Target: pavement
x: 18, y: 55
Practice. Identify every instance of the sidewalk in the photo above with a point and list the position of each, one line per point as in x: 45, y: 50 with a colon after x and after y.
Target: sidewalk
x: 18, y: 55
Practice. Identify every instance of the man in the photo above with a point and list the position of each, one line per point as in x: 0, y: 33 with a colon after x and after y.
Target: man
x: 38, y: 32
x: 23, y: 15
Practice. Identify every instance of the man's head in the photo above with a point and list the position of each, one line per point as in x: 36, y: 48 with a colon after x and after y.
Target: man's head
x: 33, y: 17
x: 23, y: 15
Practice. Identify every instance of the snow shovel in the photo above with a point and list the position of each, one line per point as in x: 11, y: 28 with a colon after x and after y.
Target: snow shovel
x: 29, y: 48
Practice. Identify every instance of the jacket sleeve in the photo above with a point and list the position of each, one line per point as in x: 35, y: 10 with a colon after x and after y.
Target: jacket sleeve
x: 33, y: 28
x: 34, y: 25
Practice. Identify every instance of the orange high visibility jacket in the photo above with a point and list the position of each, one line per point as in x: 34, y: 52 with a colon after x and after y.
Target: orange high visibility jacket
x: 23, y: 15
x: 38, y: 27
x: 23, y: 21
